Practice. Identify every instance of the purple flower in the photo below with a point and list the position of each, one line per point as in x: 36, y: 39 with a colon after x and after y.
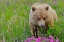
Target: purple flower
x: 54, y: 2
x: 28, y: 40
x: 44, y: 38
x: 32, y: 38
x: 51, y: 39
x: 57, y: 40
x: 25, y: 41
x: 38, y: 39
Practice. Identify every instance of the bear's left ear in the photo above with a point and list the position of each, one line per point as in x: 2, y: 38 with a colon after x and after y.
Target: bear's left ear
x: 47, y: 7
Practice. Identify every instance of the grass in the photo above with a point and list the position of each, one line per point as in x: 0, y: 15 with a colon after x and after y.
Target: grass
x: 14, y: 19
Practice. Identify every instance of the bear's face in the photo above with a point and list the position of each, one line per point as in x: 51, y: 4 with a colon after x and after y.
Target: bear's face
x: 40, y: 15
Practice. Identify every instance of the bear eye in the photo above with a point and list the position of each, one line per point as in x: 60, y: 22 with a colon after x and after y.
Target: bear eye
x: 38, y: 19
x: 44, y: 18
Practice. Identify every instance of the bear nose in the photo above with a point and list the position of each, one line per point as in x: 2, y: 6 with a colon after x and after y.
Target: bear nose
x: 42, y: 25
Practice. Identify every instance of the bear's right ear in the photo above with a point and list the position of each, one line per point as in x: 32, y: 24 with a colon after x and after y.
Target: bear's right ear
x: 33, y: 8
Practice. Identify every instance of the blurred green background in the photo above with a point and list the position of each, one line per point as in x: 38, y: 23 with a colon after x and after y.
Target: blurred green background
x: 14, y: 19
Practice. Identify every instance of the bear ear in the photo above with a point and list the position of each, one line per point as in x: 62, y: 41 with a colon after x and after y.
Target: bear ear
x: 33, y: 9
x: 46, y: 7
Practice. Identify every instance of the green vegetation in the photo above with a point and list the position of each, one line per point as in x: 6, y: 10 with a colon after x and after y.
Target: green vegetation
x: 14, y: 19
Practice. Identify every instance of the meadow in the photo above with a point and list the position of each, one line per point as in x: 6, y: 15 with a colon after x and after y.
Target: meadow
x: 14, y: 19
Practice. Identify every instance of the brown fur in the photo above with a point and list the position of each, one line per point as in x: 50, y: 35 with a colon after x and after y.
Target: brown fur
x: 40, y: 16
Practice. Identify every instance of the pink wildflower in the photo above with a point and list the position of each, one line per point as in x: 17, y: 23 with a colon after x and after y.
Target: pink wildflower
x: 44, y: 38
x: 38, y: 39
x: 54, y: 2
x: 51, y: 39
x: 28, y: 40
x: 32, y: 38
x: 57, y: 40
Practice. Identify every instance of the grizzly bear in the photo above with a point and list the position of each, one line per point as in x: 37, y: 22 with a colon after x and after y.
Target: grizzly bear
x: 41, y: 15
